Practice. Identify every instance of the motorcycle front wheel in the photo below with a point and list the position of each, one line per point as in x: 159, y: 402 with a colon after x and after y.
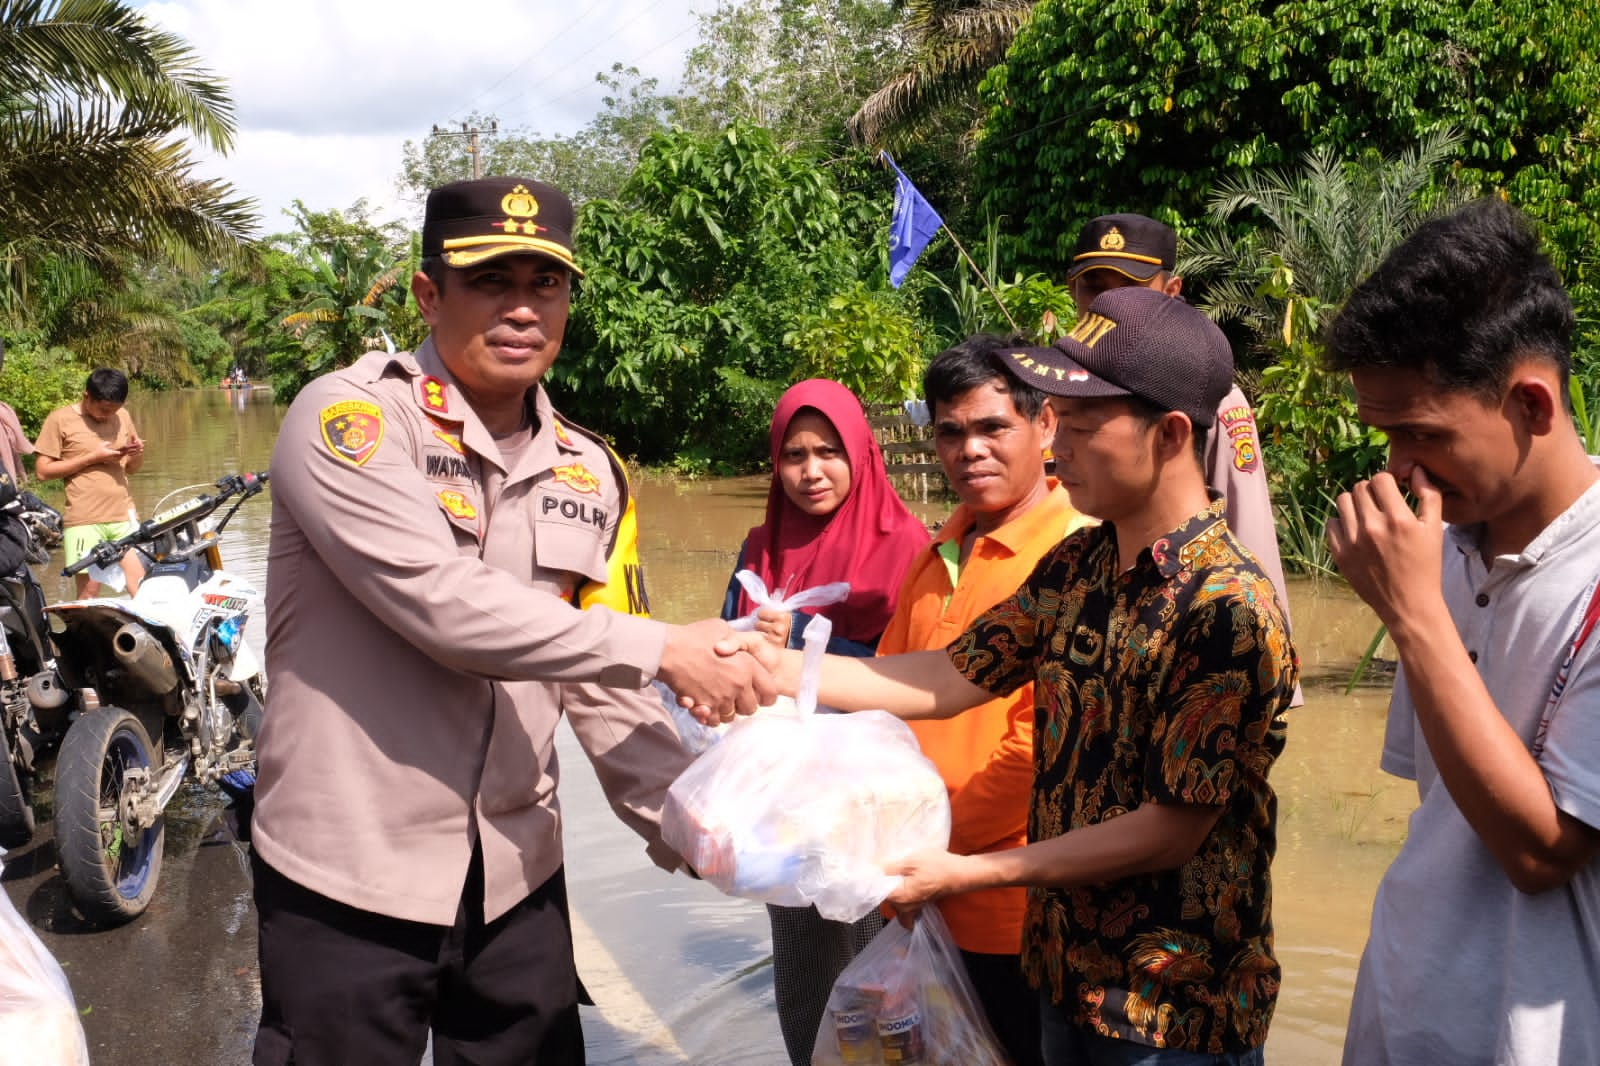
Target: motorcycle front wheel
x: 110, y: 866
x: 16, y: 813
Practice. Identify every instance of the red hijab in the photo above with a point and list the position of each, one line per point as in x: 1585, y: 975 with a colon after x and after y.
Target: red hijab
x: 869, y: 541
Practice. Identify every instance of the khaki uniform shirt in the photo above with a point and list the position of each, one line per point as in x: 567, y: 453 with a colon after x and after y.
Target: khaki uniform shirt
x: 98, y: 493
x: 1235, y: 468
x: 420, y: 652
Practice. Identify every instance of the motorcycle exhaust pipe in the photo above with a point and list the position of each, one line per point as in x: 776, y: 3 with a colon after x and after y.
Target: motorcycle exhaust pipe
x: 144, y: 659
x: 46, y: 692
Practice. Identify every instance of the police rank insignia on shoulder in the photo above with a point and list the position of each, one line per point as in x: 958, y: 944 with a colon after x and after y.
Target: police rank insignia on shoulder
x: 434, y: 398
x: 352, y: 430
x: 578, y: 477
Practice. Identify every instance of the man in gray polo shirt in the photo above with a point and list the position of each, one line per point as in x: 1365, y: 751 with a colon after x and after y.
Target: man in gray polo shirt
x: 1485, y: 940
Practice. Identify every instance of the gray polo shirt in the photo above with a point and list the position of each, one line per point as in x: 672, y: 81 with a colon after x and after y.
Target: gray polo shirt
x: 1461, y: 967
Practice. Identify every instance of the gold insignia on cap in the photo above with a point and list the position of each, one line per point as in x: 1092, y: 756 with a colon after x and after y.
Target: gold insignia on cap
x: 1113, y: 241
x: 520, y: 204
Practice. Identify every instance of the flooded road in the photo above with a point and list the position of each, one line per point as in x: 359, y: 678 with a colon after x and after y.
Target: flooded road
x: 681, y: 973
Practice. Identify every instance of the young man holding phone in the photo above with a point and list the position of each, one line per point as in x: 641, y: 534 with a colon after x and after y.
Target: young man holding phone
x: 93, y: 446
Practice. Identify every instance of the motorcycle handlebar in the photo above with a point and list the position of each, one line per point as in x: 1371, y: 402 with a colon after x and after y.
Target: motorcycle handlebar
x: 109, y: 551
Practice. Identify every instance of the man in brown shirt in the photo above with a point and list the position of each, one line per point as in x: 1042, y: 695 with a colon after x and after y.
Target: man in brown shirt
x: 92, y: 445
x: 444, y: 548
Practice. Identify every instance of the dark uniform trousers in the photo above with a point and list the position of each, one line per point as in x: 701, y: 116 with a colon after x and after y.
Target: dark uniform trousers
x: 346, y: 987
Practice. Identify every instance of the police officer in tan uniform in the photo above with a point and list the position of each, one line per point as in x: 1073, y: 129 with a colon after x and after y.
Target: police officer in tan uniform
x: 1114, y: 251
x: 451, y: 571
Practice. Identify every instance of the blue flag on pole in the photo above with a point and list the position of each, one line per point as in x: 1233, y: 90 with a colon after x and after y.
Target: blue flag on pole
x: 912, y: 227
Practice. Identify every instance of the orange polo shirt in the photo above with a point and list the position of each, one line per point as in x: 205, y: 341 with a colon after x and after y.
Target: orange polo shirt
x: 985, y: 754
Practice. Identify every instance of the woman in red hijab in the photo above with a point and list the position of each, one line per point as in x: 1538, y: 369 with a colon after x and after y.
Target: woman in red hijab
x: 832, y: 515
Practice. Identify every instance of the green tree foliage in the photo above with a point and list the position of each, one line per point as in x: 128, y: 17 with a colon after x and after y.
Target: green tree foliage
x: 870, y: 340
x: 1314, y: 233
x: 950, y: 45
x: 1119, y: 105
x: 1031, y: 305
x: 351, y: 295
x: 795, y: 67
x: 717, y: 248
x: 35, y: 381
x: 1274, y: 237
x: 96, y: 109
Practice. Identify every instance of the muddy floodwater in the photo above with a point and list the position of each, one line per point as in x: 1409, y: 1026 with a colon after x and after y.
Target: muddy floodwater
x: 681, y: 973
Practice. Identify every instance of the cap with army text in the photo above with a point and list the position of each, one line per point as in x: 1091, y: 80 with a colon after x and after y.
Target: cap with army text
x: 1136, y: 342
x: 468, y: 222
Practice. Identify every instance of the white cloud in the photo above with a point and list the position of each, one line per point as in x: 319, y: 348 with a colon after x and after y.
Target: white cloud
x: 326, y: 92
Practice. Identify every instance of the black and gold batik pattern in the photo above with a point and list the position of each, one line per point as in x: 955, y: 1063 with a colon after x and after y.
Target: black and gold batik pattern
x: 1160, y: 683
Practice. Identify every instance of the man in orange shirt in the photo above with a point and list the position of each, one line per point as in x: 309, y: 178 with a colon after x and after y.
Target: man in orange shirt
x: 990, y: 431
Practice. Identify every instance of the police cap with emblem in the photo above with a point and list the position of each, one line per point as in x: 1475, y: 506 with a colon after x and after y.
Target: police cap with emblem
x: 1132, y: 245
x: 467, y: 222
x: 1136, y: 342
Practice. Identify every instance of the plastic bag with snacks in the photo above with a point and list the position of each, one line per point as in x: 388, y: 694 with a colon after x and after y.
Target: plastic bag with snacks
x: 906, y: 1000
x: 804, y: 808
x: 698, y: 737
x: 38, y: 1021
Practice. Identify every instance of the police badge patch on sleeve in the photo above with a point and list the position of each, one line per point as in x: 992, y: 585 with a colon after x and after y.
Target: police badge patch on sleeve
x: 352, y: 430
x: 1240, y: 426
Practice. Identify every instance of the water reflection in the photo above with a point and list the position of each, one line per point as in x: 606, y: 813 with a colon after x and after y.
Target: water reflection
x: 682, y: 973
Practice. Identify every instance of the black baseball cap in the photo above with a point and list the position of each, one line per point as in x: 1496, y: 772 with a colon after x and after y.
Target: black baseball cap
x: 467, y: 222
x: 1133, y: 245
x: 1136, y: 342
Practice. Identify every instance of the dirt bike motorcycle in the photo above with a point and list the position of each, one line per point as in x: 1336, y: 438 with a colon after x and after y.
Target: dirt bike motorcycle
x: 35, y: 706
x: 179, y: 687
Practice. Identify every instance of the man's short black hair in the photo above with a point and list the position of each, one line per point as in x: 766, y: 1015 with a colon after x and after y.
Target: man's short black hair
x: 1459, y: 301
x: 435, y: 268
x: 107, y: 385
x: 1149, y: 414
x: 976, y: 361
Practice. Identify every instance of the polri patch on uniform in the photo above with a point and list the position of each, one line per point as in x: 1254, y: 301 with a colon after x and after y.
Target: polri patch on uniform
x: 1241, y: 428
x: 578, y: 477
x: 457, y: 505
x: 434, y: 397
x: 352, y: 430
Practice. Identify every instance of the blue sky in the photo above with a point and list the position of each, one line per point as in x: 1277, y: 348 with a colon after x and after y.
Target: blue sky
x: 327, y: 91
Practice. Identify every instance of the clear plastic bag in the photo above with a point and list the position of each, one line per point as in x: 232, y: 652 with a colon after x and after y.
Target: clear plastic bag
x: 698, y: 737
x: 38, y: 1020
x: 804, y: 808
x: 906, y: 1000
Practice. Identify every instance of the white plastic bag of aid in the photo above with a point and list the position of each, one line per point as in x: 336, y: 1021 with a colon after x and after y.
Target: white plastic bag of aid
x: 803, y: 808
x: 38, y: 1020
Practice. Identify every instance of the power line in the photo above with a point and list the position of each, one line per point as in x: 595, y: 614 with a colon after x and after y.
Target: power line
x: 541, y: 53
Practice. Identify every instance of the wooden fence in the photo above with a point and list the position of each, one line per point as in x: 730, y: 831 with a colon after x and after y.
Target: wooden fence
x: 907, y: 450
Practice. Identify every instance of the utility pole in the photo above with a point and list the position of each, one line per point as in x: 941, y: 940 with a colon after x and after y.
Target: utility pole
x: 471, y: 133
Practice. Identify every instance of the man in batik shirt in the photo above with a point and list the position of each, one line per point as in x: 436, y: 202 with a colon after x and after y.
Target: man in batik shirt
x: 1161, y: 665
